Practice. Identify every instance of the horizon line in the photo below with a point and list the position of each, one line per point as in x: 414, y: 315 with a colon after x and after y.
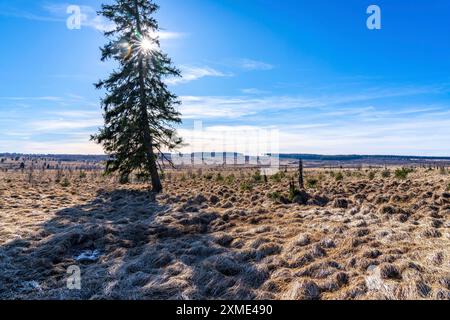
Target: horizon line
x: 224, y: 152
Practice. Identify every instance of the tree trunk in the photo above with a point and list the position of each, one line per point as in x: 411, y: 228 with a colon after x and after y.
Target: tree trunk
x: 300, y: 175
x: 148, y: 140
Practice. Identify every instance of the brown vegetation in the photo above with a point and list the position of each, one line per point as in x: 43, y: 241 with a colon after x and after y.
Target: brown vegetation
x: 227, y: 234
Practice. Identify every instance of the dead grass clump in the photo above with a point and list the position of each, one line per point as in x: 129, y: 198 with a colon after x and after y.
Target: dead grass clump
x: 267, y: 249
x: 303, y: 290
x: 389, y: 271
x: 317, y: 251
x: 226, y: 266
x: 302, y: 240
x: 338, y: 281
x: 341, y: 203
x: 388, y: 209
x: 432, y: 233
x: 328, y: 243
x: 301, y: 261
x: 372, y: 254
x: 224, y: 240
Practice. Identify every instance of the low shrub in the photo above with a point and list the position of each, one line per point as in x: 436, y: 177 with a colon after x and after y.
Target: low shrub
x: 274, y: 195
x: 339, y: 176
x: 65, y: 183
x: 257, y: 177
x: 219, y: 178
x: 246, y: 186
x: 230, y: 179
x: 278, y: 176
x: 312, y: 183
x: 403, y: 173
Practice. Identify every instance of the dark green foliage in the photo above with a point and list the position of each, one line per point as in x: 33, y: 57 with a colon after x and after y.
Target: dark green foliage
x: 219, y: 177
x: 139, y: 110
x: 246, y: 186
x: 257, y: 177
x: 371, y: 175
x: 124, y: 178
x: 278, y: 176
x: 293, y: 191
x: 403, y: 173
x: 339, y: 176
x: 275, y: 196
x: 230, y: 179
x: 65, y: 183
x: 312, y: 183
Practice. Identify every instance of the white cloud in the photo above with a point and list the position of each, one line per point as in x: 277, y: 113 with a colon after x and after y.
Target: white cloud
x: 43, y: 98
x: 169, y: 35
x: 249, y: 64
x: 423, y: 136
x: 68, y: 146
x: 253, y: 91
x: 191, y: 73
x: 89, y: 18
x: 328, y: 125
x: 60, y: 125
x: 239, y: 106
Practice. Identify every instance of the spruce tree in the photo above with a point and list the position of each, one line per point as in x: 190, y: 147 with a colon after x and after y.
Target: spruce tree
x: 139, y: 110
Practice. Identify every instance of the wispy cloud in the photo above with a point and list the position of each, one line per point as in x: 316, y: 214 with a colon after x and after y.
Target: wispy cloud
x: 66, y: 121
x: 169, y: 35
x: 421, y: 136
x: 191, y: 73
x: 249, y: 64
x: 42, y: 98
x: 51, y: 125
x: 89, y: 18
x: 66, y: 146
x: 254, y: 91
x: 375, y: 120
x: 60, y: 125
x: 250, y: 104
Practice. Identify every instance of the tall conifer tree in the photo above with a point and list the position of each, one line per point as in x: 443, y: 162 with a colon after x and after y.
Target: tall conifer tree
x: 139, y: 110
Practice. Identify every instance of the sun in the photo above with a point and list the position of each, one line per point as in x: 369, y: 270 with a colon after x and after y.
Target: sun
x: 147, y: 45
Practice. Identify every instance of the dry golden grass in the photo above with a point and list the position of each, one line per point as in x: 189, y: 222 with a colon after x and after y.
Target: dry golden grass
x: 227, y: 236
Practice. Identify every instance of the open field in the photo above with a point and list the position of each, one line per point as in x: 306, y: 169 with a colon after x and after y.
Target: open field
x: 227, y: 234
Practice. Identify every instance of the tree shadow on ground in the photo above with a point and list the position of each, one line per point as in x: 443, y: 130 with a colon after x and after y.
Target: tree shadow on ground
x: 147, y: 251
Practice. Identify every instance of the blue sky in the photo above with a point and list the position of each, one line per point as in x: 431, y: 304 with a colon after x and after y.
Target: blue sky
x: 311, y: 69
